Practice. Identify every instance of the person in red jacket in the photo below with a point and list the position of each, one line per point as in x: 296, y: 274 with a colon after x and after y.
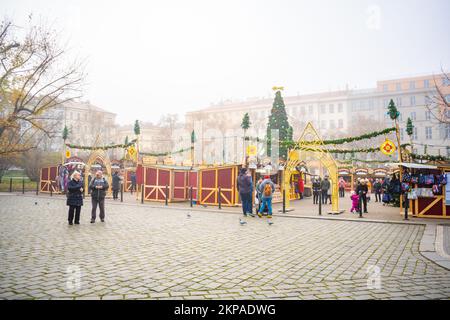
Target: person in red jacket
x: 301, y: 186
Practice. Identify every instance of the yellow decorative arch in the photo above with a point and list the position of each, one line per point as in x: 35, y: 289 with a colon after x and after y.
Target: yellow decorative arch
x: 296, y: 154
x: 98, y: 154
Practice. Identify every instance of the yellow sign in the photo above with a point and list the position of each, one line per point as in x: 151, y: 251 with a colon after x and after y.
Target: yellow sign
x: 387, y: 147
x: 68, y: 154
x: 131, y: 151
x: 252, y: 150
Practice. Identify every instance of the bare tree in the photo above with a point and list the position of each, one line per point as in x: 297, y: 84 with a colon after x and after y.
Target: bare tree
x: 438, y: 105
x: 34, y: 79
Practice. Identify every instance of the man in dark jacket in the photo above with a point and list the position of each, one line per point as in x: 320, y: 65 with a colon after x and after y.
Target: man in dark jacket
x: 362, y: 190
x: 325, y: 186
x: 316, y: 190
x: 245, y: 189
x: 377, y: 189
x: 133, y: 182
x: 115, y: 185
x: 75, y: 197
x: 98, y: 188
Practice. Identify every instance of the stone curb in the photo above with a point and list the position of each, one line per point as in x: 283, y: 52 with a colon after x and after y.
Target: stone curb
x: 430, y: 245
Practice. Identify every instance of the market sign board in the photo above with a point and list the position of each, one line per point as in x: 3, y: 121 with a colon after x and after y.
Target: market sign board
x: 361, y: 172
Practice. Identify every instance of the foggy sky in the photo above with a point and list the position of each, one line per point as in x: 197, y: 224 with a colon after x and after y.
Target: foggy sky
x: 146, y: 58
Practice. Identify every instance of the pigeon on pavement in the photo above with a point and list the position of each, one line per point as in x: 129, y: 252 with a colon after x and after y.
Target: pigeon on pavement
x: 242, y: 222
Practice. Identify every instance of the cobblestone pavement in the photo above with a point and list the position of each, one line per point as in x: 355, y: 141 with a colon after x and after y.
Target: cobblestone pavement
x: 148, y: 253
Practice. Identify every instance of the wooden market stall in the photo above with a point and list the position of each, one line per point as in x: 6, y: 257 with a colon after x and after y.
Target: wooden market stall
x: 428, y: 192
x: 347, y: 175
x: 161, y: 181
x: 211, y: 179
x: 47, y: 181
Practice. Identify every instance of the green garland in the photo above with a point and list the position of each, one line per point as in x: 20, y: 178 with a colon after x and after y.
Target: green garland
x: 429, y: 157
x: 111, y: 146
x: 162, y: 154
x: 365, y: 136
x: 365, y: 161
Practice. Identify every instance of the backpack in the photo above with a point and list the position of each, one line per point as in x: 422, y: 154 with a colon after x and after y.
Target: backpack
x: 267, y: 190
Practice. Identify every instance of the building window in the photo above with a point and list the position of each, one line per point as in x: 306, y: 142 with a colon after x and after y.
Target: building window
x: 428, y: 133
x: 447, y: 132
x: 371, y: 104
x: 402, y: 134
x: 340, y: 107
x: 323, y: 124
x: 340, y: 123
x: 413, y: 100
x: 413, y: 116
x: 414, y: 135
x: 412, y: 85
x: 331, y: 108
x: 332, y: 124
x: 322, y: 108
x: 445, y: 81
x: 310, y: 109
x: 427, y: 115
x: 303, y: 110
x: 398, y: 86
x: 426, y: 83
x: 385, y: 88
x: 398, y: 101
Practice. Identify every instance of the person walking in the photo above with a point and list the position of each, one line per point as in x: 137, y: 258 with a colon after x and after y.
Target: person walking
x: 316, y: 190
x: 362, y: 190
x: 75, y: 197
x: 115, y: 185
x: 342, y: 185
x: 245, y: 189
x: 377, y: 188
x: 355, y: 202
x: 98, y: 187
x: 301, y: 186
x: 133, y: 181
x: 267, y: 188
x: 325, y: 187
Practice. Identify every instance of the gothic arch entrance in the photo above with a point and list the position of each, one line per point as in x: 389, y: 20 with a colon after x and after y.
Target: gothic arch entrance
x: 304, y: 151
x: 98, y: 156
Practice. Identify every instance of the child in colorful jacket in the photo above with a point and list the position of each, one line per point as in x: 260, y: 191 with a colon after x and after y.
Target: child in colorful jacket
x: 355, y: 202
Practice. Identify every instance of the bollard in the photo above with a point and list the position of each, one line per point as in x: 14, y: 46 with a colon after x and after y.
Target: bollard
x: 167, y: 195
x: 131, y: 189
x: 220, y: 198
x: 190, y: 195
x: 284, y: 200
x: 23, y: 185
x: 37, y: 187
x: 10, y: 184
x: 406, y: 206
x: 320, y: 202
x: 360, y: 204
x: 142, y: 193
x: 51, y: 189
x: 121, y: 192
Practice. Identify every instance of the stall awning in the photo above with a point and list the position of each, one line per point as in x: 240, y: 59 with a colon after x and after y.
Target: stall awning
x: 412, y: 165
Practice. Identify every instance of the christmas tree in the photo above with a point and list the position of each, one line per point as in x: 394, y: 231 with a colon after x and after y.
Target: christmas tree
x: 65, y: 133
x: 278, y: 120
x: 409, y: 127
x: 137, y: 128
x: 392, y: 110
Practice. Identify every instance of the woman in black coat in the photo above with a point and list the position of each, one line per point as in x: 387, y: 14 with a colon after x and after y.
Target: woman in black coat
x: 75, y: 197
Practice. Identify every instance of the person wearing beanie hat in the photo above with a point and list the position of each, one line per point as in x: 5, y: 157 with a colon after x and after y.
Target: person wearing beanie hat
x: 245, y: 188
x: 267, y: 188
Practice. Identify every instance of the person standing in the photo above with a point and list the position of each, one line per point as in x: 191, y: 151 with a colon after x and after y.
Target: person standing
x: 115, y: 185
x: 267, y: 188
x: 245, y: 189
x: 342, y: 185
x: 98, y: 187
x: 301, y: 186
x: 325, y: 187
x: 316, y: 190
x: 377, y: 189
x: 258, y: 193
x: 133, y: 181
x: 75, y: 197
x: 362, y: 190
